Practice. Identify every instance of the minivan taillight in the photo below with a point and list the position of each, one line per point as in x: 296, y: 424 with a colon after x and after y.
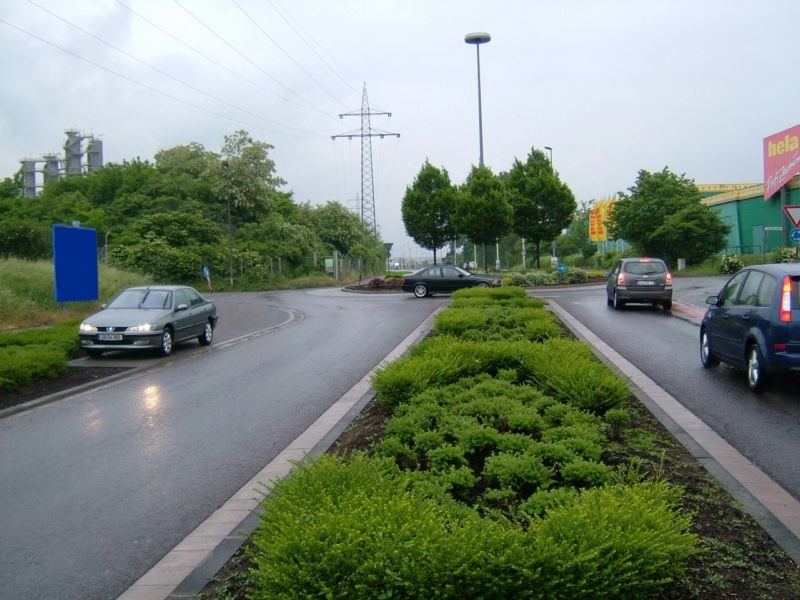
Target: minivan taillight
x: 621, y: 278
x: 669, y: 278
x: 786, y: 300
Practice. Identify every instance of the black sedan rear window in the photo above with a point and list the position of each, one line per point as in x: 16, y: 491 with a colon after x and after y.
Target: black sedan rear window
x: 645, y: 268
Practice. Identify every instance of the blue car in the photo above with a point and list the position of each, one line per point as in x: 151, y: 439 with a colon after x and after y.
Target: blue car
x: 754, y: 323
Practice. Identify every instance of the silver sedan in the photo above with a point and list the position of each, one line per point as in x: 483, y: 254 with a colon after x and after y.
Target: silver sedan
x: 150, y: 318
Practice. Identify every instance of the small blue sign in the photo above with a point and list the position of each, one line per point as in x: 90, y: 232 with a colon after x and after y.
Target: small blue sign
x: 205, y: 272
x: 562, y: 267
x: 795, y: 235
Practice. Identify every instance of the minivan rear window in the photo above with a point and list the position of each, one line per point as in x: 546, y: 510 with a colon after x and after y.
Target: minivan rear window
x: 644, y: 268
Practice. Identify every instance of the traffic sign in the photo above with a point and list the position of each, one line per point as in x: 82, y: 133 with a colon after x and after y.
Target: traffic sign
x: 793, y: 212
x: 795, y: 235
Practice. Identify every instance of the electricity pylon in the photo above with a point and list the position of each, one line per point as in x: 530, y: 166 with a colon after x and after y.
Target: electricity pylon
x: 366, y: 133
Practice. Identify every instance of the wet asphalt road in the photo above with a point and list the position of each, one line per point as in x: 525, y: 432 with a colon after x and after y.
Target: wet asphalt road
x: 95, y: 488
x: 763, y: 427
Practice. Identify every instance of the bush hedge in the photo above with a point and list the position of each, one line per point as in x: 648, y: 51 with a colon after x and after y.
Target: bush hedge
x: 32, y: 354
x: 360, y: 530
x: 489, y: 481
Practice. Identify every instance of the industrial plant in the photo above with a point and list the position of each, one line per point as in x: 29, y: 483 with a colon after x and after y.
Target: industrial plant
x: 82, y: 154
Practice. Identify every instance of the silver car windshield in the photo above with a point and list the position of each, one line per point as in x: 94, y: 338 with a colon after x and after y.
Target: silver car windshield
x: 159, y: 299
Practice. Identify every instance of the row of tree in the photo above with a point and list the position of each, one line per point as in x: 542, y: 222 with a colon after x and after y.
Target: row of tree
x: 529, y: 200
x: 189, y: 208
x: 660, y: 215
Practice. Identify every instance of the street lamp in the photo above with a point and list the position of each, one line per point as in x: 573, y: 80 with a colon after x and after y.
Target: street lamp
x: 477, y: 38
x: 550, y: 151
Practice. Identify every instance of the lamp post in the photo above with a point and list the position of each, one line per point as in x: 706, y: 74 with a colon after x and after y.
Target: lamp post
x: 477, y: 38
x: 550, y: 151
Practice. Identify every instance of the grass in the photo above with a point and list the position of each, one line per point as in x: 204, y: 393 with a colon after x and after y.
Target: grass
x: 27, y: 293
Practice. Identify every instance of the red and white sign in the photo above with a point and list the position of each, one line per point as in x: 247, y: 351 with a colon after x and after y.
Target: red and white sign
x: 793, y: 212
x: 781, y: 159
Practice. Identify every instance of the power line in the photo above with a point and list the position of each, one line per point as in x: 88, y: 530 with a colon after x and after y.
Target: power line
x: 310, y: 47
x: 149, y: 87
x: 161, y: 71
x: 208, y: 58
x: 271, y: 39
x: 247, y: 58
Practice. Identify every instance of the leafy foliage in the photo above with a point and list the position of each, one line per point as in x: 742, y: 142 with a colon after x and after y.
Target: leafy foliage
x: 730, y: 264
x: 482, y: 210
x: 191, y: 208
x: 543, y: 205
x: 428, y: 207
x: 662, y: 216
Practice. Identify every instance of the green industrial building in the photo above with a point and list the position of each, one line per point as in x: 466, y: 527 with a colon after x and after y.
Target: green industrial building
x: 757, y: 226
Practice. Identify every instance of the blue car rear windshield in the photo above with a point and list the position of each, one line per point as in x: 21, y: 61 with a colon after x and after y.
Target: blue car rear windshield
x: 142, y: 299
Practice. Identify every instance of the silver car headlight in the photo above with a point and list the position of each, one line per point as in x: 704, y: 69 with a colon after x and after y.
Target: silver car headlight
x: 141, y: 328
x: 87, y: 328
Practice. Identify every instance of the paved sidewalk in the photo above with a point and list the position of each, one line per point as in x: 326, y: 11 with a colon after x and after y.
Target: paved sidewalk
x: 773, y: 507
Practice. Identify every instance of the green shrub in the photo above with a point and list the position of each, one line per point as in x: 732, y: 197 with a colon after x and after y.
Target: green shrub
x: 786, y: 255
x: 21, y: 365
x: 522, y: 473
x: 541, y: 501
x: 356, y: 531
x: 730, y: 263
x: 585, y: 474
x: 367, y: 530
x: 612, y: 542
x: 566, y: 370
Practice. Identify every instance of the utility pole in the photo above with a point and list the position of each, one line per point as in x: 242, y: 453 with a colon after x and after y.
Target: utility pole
x: 366, y: 133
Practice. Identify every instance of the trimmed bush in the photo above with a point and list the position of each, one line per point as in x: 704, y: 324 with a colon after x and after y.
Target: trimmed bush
x: 613, y: 542
x: 367, y: 530
x: 357, y: 531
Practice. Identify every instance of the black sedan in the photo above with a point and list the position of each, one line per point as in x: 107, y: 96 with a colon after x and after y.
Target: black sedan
x: 430, y: 280
x: 150, y: 318
x: 754, y: 323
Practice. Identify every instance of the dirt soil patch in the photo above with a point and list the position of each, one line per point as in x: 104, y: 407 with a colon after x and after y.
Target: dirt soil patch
x: 71, y: 378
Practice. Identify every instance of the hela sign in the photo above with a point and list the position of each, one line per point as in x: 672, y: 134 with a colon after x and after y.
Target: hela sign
x: 781, y: 159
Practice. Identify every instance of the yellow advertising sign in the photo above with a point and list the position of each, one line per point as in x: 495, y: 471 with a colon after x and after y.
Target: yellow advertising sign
x: 598, y: 218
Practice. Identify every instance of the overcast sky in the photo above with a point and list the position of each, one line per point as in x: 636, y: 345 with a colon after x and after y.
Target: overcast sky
x: 611, y: 86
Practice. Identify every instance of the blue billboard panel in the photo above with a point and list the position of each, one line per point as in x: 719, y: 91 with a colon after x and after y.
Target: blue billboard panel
x: 75, y: 262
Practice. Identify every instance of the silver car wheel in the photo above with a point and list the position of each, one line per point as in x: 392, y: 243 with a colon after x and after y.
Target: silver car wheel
x: 420, y: 291
x: 208, y: 335
x: 755, y: 375
x: 707, y: 359
x: 166, y: 342
x: 483, y: 284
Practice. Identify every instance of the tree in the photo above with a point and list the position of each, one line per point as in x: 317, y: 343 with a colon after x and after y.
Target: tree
x: 482, y: 211
x: 246, y: 177
x: 575, y: 240
x: 428, y: 207
x: 543, y: 205
x: 337, y: 226
x: 662, y: 216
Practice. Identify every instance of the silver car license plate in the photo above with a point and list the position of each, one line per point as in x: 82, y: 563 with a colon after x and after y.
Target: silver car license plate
x: 109, y: 337
x: 646, y: 282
